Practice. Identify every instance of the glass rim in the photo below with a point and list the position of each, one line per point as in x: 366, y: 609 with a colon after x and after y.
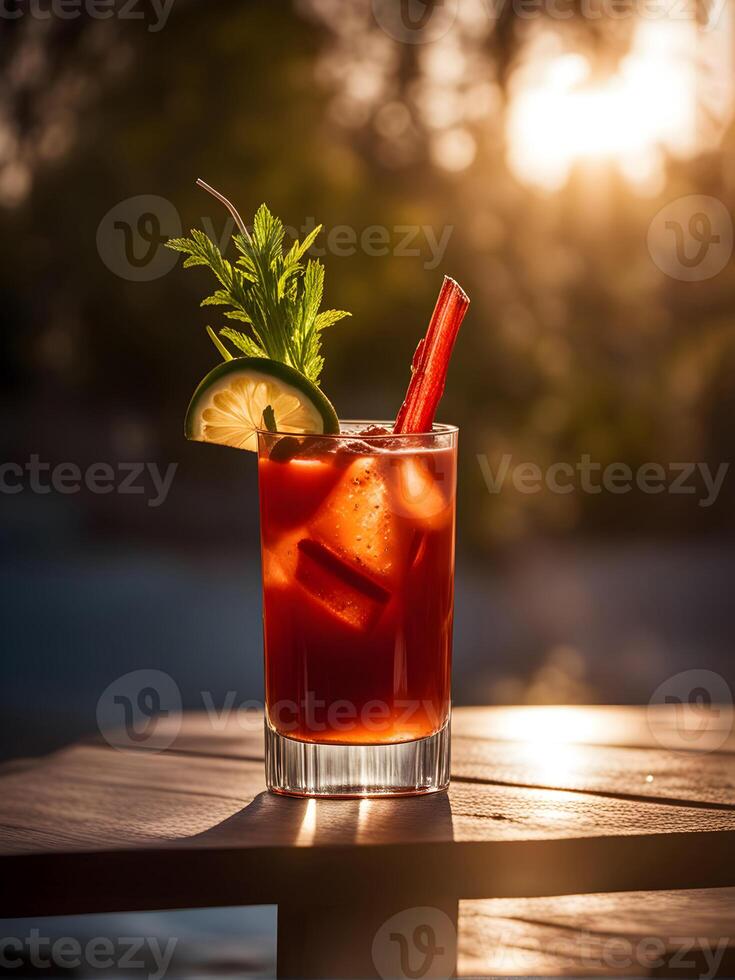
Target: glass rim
x: 437, y: 429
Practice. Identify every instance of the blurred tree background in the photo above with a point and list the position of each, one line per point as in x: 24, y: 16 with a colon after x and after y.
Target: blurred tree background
x: 539, y: 149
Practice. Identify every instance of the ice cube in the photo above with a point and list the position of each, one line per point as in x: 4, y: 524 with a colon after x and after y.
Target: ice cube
x: 351, y: 595
x: 416, y: 492
x: 358, y: 523
x: 291, y: 492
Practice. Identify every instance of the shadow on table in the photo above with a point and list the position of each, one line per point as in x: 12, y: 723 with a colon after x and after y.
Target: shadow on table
x: 329, y: 936
x: 282, y: 820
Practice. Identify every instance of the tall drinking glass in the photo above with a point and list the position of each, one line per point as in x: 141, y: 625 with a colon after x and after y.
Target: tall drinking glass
x: 357, y: 536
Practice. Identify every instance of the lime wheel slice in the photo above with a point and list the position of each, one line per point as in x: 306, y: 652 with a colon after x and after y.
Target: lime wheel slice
x: 227, y: 407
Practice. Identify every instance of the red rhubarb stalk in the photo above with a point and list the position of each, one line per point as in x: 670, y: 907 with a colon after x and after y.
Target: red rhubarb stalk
x: 431, y: 360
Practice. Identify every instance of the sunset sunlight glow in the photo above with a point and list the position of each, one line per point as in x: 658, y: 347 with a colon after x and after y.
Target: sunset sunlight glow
x: 559, y: 116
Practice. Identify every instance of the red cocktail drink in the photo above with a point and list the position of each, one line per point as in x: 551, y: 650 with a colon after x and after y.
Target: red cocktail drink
x: 357, y: 525
x: 358, y: 568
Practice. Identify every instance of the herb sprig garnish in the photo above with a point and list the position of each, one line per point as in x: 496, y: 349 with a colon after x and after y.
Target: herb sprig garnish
x: 275, y: 293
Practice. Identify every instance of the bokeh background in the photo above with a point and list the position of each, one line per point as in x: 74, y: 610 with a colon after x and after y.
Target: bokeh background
x: 571, y: 165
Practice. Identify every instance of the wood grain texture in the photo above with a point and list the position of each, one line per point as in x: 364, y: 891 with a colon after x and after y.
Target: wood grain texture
x: 678, y: 933
x: 97, y: 828
x: 88, y: 797
x: 572, y: 758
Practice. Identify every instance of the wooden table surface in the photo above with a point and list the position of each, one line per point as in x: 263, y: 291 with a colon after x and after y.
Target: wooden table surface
x: 543, y: 802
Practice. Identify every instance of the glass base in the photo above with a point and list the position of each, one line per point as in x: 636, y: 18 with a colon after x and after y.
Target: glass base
x: 318, y: 769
